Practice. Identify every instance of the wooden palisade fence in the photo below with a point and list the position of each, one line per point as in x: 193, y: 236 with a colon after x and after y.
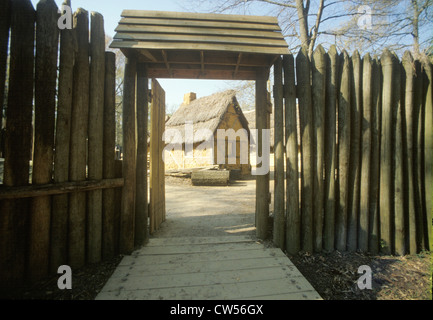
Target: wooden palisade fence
x: 366, y: 156
x: 69, y: 213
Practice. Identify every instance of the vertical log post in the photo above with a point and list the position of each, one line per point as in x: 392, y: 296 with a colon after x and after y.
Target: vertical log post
x: 419, y: 147
x: 399, y: 186
x: 78, y: 149
x: 376, y: 120
x: 293, y: 219
x: 60, y: 203
x: 279, y: 219
x: 386, y: 156
x: 428, y: 156
x: 141, y: 206
x: 408, y: 145
x: 307, y: 147
x: 330, y: 148
x: 355, y: 144
x: 319, y: 101
x: 96, y: 133
x: 14, y: 214
x: 47, y: 37
x: 366, y: 127
x: 4, y: 41
x: 109, y: 170
x: 262, y: 181
x: 127, y: 218
x: 344, y: 112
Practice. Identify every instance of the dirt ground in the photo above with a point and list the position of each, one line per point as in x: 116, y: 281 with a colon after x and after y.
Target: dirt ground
x: 333, y: 275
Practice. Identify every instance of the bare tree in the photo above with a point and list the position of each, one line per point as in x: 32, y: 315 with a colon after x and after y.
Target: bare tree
x: 397, y: 24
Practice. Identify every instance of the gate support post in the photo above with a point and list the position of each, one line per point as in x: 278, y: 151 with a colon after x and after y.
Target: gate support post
x: 262, y: 181
x: 127, y: 218
x: 141, y: 207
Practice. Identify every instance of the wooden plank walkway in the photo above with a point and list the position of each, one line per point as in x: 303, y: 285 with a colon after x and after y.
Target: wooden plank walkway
x: 207, y: 268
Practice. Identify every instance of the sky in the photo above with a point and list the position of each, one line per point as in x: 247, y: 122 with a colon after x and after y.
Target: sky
x: 112, y: 9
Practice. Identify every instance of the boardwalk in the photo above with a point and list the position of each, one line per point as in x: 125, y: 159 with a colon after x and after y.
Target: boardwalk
x: 207, y: 268
x: 206, y: 250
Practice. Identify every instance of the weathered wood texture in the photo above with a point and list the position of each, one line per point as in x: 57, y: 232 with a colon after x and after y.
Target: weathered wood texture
x: 262, y: 180
x: 366, y: 138
x: 47, y: 38
x: 157, y: 175
x: 332, y: 88
x: 428, y: 155
x: 14, y: 218
x: 109, y: 170
x: 60, y: 203
x: 372, y: 156
x: 127, y: 218
x: 78, y: 148
x: 279, y: 216
x: 303, y: 70
x: 319, y: 69
x: 4, y: 41
x: 355, y: 143
x: 95, y: 136
x: 141, y: 205
x: 293, y: 219
x: 344, y: 111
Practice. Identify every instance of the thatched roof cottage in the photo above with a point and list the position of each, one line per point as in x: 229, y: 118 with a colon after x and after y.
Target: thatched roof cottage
x: 198, y: 121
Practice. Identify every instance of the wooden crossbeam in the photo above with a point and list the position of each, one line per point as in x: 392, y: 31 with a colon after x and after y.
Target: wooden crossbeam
x: 167, y: 64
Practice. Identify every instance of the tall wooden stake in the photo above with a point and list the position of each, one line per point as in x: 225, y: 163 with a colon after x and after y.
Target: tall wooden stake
x: 293, y: 218
x: 47, y: 39
x: 344, y: 111
x: 279, y: 219
x: 14, y: 215
x: 307, y: 148
x: 319, y: 101
x: 262, y: 181
x: 60, y: 204
x: 332, y: 88
x: 108, y: 196
x: 141, y: 205
x: 96, y: 136
x: 127, y: 218
x: 78, y: 149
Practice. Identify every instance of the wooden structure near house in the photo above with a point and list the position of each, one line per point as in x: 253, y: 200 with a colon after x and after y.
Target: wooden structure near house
x: 374, y: 135
x: 197, y: 123
x: 199, y: 46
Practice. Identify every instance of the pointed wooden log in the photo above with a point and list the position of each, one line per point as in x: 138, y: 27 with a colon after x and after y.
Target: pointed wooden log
x: 332, y: 87
x: 366, y: 136
x: 319, y: 101
x: 60, y: 204
x: 303, y: 70
x: 96, y: 136
x: 293, y: 218
x: 279, y: 217
x: 127, y: 217
x: 355, y: 152
x: 14, y: 217
x: 78, y: 148
x: 47, y: 40
x: 109, y: 170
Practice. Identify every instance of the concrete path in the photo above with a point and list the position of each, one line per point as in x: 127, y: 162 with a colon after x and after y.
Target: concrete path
x: 208, y: 254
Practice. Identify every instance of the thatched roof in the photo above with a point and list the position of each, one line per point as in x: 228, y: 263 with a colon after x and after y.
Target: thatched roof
x: 205, y: 113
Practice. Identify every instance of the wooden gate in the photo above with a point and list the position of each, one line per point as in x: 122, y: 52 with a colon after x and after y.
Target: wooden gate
x: 157, y: 168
